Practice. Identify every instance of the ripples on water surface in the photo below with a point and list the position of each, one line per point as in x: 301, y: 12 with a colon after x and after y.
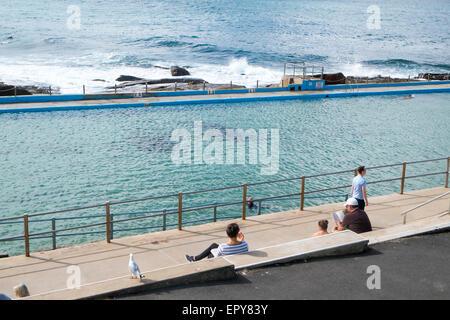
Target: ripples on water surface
x: 58, y: 160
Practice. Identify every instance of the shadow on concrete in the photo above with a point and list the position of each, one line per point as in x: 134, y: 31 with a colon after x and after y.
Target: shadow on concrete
x: 256, y: 253
x: 238, y: 279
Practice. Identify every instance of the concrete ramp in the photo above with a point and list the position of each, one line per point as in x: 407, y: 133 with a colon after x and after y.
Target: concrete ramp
x: 423, y: 226
x: 341, y: 243
x: 187, y: 273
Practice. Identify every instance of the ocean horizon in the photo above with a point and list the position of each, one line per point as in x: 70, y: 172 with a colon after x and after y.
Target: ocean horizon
x: 66, y: 44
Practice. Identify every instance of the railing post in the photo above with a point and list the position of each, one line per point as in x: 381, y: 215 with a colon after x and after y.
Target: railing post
x: 257, y: 84
x: 215, y: 214
x: 15, y: 91
x: 146, y: 88
x: 244, y: 200
x: 53, y: 233
x: 164, y: 220
x: 180, y: 211
x: 108, y: 223
x: 404, y: 219
x: 50, y: 90
x: 302, y: 194
x: 402, y: 185
x: 84, y: 90
x: 259, y: 207
x: 112, y: 227
x: 26, y: 235
x: 446, y: 176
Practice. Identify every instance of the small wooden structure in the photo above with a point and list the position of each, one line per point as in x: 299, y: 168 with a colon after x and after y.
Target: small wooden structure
x: 296, y: 72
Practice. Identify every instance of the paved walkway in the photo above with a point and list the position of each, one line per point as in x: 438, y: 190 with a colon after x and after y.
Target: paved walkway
x: 47, y: 271
x: 340, y: 278
x: 150, y: 100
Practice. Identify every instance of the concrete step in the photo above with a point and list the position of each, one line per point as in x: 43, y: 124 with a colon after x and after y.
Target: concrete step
x: 221, y: 268
x: 341, y: 243
x: 187, y: 273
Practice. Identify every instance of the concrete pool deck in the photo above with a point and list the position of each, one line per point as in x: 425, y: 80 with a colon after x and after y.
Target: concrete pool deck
x: 221, y: 98
x: 162, y: 253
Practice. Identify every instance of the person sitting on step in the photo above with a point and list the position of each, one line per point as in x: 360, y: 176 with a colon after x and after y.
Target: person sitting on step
x: 323, y: 226
x: 235, y: 245
x: 355, y: 219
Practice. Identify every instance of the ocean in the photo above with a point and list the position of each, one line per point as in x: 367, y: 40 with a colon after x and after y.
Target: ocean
x: 68, y: 44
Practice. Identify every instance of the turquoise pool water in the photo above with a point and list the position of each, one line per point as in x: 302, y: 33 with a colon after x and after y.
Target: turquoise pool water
x: 58, y: 160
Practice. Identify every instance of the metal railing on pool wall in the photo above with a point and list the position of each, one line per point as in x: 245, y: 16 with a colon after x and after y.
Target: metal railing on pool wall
x: 111, y: 219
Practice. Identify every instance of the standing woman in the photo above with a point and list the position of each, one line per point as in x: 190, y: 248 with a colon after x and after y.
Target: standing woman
x: 359, y: 188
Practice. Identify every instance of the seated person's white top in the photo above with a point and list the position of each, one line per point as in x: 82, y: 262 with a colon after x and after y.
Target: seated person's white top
x: 226, y: 249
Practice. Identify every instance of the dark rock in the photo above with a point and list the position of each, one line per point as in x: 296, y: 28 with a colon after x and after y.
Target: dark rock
x: 434, y: 76
x: 99, y: 80
x: 178, y: 71
x: 334, y: 78
x: 159, y: 81
x: 377, y: 79
x: 41, y: 90
x: 128, y: 78
x: 8, y: 90
x: 4, y: 255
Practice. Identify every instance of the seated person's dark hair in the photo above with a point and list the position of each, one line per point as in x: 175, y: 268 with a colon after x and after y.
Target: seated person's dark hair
x: 361, y: 169
x: 323, y: 224
x: 233, y: 230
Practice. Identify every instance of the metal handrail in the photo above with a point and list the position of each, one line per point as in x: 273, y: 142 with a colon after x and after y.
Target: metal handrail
x: 238, y: 186
x: 405, y: 212
x: 180, y: 210
x: 160, y: 213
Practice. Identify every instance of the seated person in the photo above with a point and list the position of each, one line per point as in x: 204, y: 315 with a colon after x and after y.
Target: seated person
x: 235, y: 245
x: 323, y: 226
x: 354, y: 219
x: 21, y: 291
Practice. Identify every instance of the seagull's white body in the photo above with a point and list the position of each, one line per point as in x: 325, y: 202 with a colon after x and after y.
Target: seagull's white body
x: 134, y: 269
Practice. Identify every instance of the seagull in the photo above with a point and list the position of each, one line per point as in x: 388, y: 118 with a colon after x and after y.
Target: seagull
x: 134, y: 269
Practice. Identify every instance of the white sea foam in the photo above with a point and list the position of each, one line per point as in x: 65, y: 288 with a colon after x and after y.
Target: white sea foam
x: 69, y: 75
x: 239, y: 71
x: 362, y: 70
x: 70, y: 79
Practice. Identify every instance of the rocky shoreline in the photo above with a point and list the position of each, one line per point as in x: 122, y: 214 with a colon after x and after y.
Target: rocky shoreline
x: 181, y: 80
x: 11, y: 90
